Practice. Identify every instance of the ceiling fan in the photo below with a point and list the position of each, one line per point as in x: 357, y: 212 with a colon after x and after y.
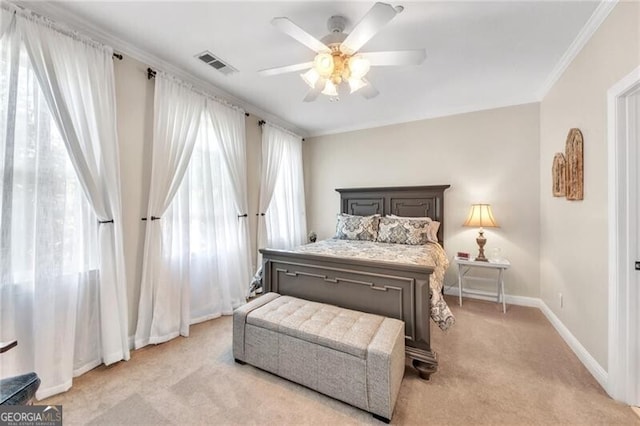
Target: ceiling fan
x: 339, y: 67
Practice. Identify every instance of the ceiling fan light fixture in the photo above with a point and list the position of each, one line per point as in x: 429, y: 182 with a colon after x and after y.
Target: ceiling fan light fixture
x: 323, y: 64
x: 337, y: 68
x: 356, y: 84
x: 359, y: 66
x: 330, y: 89
x: 311, y: 77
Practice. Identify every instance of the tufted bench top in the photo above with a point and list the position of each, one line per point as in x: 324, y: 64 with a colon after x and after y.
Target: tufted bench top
x: 341, y: 329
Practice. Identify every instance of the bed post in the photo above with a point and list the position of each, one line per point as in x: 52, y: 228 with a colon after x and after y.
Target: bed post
x: 419, y: 349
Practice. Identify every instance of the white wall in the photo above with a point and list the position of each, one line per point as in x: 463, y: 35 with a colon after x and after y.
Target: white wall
x: 573, y: 240
x: 488, y: 156
x: 254, y: 159
x: 134, y: 102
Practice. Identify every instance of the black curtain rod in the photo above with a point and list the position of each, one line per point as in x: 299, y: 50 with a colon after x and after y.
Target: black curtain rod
x: 261, y: 122
x: 118, y: 56
x: 152, y: 74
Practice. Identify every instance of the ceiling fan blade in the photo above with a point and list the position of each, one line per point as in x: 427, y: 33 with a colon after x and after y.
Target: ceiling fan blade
x: 313, y: 94
x: 368, y: 91
x: 396, y: 57
x: 285, y: 69
x: 369, y: 25
x: 288, y: 27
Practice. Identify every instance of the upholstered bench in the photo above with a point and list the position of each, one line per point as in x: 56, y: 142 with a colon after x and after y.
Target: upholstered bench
x: 352, y: 356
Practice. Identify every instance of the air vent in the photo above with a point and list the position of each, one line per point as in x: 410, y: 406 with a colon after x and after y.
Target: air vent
x: 216, y: 63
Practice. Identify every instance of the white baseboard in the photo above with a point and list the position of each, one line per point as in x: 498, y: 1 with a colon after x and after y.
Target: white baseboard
x: 583, y: 355
x: 489, y: 296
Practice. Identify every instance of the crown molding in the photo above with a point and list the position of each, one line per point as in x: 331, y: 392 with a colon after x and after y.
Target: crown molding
x: 77, y: 23
x: 590, y: 27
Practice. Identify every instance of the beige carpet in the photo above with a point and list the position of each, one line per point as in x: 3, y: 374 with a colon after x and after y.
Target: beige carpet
x: 495, y: 368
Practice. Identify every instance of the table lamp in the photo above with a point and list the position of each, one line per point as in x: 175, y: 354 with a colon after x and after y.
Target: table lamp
x: 481, y: 216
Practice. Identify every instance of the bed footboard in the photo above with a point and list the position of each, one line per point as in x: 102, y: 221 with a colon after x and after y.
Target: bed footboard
x: 383, y: 288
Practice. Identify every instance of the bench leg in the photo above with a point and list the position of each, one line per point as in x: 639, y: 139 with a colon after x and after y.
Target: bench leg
x: 239, y: 361
x: 382, y: 419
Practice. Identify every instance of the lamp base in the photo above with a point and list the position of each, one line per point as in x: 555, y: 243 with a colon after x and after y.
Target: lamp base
x: 481, y: 240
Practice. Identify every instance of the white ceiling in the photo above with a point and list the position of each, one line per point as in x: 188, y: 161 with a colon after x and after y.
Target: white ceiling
x: 479, y: 54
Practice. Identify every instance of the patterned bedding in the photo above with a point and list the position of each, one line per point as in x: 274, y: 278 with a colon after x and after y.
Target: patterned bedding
x: 430, y: 254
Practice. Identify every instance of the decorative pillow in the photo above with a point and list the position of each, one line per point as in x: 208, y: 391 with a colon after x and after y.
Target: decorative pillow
x: 433, y: 231
x: 433, y: 225
x: 351, y: 227
x: 399, y: 230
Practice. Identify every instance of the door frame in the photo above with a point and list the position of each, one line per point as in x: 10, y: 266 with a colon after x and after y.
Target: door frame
x: 624, y: 293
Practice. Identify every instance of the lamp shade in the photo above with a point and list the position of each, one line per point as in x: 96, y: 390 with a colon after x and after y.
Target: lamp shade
x: 323, y: 64
x: 356, y: 84
x: 481, y: 216
x: 359, y: 66
x: 330, y: 89
x: 310, y: 77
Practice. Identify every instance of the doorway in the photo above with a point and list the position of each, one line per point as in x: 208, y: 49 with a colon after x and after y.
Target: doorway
x: 623, y: 381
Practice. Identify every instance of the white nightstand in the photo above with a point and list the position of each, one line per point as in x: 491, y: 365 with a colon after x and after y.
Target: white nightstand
x: 465, y: 265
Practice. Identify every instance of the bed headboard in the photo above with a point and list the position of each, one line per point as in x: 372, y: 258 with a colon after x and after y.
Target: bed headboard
x: 410, y: 201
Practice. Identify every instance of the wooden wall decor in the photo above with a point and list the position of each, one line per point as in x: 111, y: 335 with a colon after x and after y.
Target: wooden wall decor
x: 559, y: 172
x: 575, y: 166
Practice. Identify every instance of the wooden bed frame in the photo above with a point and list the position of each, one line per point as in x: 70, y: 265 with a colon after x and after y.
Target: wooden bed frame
x: 390, y: 289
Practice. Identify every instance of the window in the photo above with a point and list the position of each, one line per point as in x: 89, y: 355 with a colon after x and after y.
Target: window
x: 47, y: 227
x: 201, y: 232
x: 211, y: 199
x: 48, y: 237
x: 204, y: 199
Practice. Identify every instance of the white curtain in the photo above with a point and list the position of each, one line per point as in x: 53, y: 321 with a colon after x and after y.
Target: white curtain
x: 196, y: 264
x: 78, y: 82
x: 228, y: 125
x: 282, y: 222
x: 59, y: 267
x: 205, y: 220
x: 177, y: 113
